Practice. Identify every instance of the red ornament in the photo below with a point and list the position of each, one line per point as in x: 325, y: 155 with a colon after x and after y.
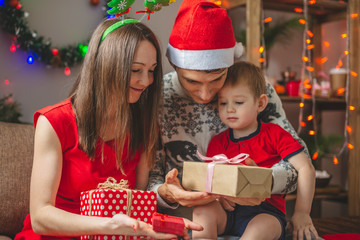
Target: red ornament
x: 13, y: 3
x: 94, y: 2
x: 55, y: 51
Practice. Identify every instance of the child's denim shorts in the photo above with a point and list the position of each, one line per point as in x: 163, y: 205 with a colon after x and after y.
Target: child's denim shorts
x: 238, y: 219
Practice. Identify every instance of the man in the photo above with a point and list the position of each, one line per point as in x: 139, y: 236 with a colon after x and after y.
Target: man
x: 201, y: 48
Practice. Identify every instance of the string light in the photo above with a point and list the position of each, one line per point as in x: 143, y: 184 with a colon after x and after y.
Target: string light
x: 12, y: 48
x: 315, y: 155
x: 326, y: 44
x: 268, y: 19
x: 310, y: 69
x: 298, y: 10
x: 55, y: 51
x: 67, y: 71
x: 6, y: 82
x: 350, y: 146
x: 348, y: 129
x: 335, y: 160
x: 302, y: 21
x: 311, y: 46
x: 30, y: 60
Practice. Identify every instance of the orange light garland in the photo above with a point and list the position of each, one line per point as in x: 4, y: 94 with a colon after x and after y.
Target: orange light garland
x: 269, y: 19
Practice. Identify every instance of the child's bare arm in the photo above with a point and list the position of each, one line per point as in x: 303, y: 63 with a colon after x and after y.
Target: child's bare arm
x: 306, y: 182
x: 301, y: 220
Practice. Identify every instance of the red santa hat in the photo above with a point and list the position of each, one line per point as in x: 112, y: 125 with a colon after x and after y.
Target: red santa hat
x: 202, y: 37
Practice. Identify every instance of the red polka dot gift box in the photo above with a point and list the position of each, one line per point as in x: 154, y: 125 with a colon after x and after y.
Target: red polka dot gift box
x: 137, y: 204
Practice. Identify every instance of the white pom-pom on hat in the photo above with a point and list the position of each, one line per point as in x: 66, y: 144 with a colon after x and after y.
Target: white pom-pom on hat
x: 239, y: 50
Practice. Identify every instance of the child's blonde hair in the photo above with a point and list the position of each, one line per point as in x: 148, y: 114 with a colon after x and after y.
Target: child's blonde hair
x: 249, y: 74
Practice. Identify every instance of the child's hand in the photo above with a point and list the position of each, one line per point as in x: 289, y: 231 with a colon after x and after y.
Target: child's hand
x: 303, y: 226
x: 245, y: 201
x: 227, y: 204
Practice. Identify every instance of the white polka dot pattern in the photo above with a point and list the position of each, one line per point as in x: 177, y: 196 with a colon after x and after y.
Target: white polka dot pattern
x: 107, y: 203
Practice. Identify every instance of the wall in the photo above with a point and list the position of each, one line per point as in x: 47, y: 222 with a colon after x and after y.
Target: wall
x: 36, y: 85
x: 65, y: 22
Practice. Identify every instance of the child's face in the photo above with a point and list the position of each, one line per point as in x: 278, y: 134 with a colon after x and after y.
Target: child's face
x: 238, y: 109
x: 142, y: 70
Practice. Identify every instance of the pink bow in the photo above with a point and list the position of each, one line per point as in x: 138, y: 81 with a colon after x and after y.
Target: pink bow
x: 221, y: 158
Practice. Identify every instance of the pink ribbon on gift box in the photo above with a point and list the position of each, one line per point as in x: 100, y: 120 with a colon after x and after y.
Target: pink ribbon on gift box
x: 220, y: 158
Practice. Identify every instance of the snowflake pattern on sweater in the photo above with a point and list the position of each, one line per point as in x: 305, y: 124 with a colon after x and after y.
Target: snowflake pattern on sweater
x: 186, y: 126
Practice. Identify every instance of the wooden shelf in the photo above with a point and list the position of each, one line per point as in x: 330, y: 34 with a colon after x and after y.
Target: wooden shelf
x: 322, y: 11
x: 326, y: 193
x: 322, y: 103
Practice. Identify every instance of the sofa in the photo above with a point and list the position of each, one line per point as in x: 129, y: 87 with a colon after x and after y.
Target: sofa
x: 16, y: 155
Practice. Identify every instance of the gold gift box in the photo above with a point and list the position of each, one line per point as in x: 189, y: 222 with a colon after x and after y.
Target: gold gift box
x: 229, y: 180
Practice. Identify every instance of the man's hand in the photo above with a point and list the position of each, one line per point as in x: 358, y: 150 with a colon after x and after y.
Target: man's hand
x: 172, y: 191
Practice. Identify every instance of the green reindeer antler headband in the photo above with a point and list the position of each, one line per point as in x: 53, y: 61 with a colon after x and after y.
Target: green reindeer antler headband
x: 121, y: 7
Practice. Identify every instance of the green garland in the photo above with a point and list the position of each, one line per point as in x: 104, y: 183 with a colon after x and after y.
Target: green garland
x: 9, y: 110
x: 13, y: 21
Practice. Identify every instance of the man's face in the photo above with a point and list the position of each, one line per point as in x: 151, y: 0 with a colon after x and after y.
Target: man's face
x: 200, y: 85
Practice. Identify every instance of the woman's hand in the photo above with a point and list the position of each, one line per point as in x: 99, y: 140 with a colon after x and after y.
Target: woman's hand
x: 303, y: 226
x: 123, y: 225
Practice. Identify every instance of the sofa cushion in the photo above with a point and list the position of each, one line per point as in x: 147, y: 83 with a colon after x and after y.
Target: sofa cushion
x: 16, y: 156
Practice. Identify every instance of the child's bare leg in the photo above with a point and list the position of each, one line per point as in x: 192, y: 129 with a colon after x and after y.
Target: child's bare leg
x: 212, y: 217
x: 263, y: 226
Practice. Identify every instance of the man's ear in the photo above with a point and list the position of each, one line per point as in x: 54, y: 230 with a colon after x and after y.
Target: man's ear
x: 262, y: 103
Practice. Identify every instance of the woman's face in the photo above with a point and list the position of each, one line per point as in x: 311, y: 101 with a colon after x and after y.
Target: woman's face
x: 142, y: 70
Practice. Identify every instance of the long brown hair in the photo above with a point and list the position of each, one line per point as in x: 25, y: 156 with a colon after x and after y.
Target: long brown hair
x: 103, y: 84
